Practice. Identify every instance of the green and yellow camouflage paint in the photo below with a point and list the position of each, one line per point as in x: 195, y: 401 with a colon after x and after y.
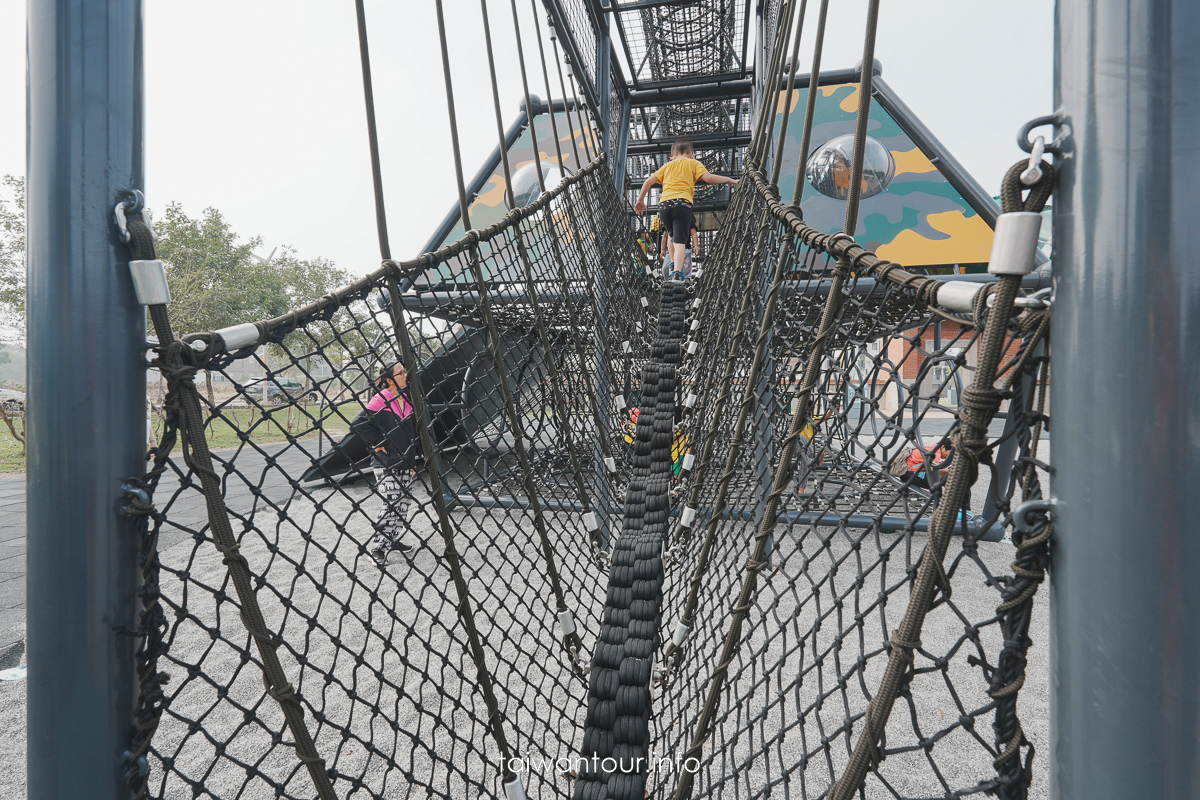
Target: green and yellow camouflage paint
x: 490, y: 205
x: 919, y: 219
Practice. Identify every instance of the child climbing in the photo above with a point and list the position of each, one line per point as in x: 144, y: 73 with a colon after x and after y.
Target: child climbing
x: 678, y: 178
x: 386, y: 424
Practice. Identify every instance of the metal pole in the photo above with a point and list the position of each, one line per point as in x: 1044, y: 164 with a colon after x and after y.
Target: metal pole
x: 604, y: 77
x: 621, y: 150
x: 1125, y: 402
x: 87, y: 384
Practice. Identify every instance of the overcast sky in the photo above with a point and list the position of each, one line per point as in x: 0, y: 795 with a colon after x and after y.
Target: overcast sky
x: 255, y: 107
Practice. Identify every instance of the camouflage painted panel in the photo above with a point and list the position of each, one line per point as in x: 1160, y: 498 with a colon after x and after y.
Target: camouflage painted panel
x: 491, y: 204
x: 909, y: 213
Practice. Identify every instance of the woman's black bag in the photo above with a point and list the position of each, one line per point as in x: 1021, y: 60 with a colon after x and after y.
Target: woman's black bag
x: 383, y: 428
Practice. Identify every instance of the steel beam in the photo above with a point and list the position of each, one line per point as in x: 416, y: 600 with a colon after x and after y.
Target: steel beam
x: 695, y: 93
x: 87, y: 384
x: 1125, y: 402
x: 728, y: 86
x: 604, y: 79
x: 705, y: 141
x: 518, y: 296
x: 674, y: 83
x: 619, y: 162
x: 638, y: 5
x: 954, y: 172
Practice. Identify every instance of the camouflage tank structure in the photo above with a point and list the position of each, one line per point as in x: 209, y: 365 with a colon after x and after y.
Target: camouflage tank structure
x: 918, y: 208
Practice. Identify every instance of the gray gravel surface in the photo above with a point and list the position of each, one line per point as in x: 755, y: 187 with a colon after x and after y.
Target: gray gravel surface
x: 386, y: 668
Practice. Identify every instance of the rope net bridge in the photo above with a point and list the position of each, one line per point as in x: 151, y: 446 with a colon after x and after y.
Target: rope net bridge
x: 661, y: 545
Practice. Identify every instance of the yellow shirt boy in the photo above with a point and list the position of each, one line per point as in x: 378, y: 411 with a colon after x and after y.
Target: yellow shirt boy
x: 678, y: 177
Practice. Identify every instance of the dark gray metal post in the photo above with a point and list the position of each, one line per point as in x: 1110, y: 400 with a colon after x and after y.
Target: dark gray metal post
x: 1125, y: 402
x: 604, y: 77
x: 621, y: 149
x: 87, y: 390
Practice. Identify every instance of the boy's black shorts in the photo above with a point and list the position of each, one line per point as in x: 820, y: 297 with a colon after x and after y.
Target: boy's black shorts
x: 676, y: 217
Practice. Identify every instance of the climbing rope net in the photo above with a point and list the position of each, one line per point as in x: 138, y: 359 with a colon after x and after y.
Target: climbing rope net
x: 658, y: 543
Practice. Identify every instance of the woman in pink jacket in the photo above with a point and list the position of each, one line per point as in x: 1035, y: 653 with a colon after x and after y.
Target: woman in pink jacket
x: 386, y: 424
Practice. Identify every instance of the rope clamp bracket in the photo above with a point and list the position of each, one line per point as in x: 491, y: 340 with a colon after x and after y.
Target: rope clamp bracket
x: 515, y: 789
x: 1042, y: 298
x: 1048, y: 506
x: 1055, y: 147
x: 131, y: 203
x: 149, y: 280
x: 1015, y: 243
x: 133, y: 492
x: 1033, y: 173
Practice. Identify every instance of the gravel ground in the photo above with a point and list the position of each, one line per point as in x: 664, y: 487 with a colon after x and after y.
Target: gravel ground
x: 12, y: 728
x: 385, y: 671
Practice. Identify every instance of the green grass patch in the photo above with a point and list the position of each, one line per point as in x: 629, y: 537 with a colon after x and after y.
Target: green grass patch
x: 12, y: 452
x: 233, y: 426
x: 224, y: 431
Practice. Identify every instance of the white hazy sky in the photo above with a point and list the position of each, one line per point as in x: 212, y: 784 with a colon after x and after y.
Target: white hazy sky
x: 255, y: 106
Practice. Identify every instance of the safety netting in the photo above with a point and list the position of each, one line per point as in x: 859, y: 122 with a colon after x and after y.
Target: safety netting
x: 519, y: 516
x: 802, y: 378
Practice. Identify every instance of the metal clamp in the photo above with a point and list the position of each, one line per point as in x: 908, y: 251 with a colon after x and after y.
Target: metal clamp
x: 1055, y: 146
x: 687, y: 517
x: 959, y: 296
x: 134, y: 493
x: 1021, y: 514
x: 149, y: 281
x: 1033, y: 173
x: 132, y: 203
x: 237, y: 337
x: 681, y: 634
x: 1042, y: 298
x: 1015, y: 243
x: 515, y: 789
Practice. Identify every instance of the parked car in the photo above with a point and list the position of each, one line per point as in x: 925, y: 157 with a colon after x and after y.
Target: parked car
x: 280, y: 390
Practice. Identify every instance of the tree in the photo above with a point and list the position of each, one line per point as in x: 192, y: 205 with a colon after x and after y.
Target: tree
x: 12, y: 256
x: 217, y: 281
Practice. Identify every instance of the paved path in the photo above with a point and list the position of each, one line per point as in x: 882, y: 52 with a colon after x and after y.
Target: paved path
x: 12, y: 562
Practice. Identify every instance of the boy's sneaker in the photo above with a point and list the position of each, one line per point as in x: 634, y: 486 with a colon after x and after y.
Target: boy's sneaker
x: 402, y: 547
x: 379, y: 555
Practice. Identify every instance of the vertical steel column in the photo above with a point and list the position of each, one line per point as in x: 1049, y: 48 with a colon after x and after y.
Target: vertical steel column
x: 621, y: 149
x: 604, y: 76
x: 87, y: 386
x: 1125, y: 402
